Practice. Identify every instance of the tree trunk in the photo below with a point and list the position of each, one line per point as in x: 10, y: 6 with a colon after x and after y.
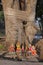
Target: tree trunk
x: 14, y: 18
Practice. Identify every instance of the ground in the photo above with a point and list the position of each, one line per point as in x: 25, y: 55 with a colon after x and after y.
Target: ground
x: 31, y: 61
x: 9, y: 62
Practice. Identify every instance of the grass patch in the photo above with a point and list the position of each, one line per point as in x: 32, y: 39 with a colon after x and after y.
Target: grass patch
x: 2, y: 47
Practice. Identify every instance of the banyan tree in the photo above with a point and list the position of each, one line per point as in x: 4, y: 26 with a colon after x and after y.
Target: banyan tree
x: 19, y: 20
x: 20, y: 23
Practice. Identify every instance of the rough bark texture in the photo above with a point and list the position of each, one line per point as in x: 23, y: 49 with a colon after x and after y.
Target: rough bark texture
x: 39, y: 47
x: 14, y: 18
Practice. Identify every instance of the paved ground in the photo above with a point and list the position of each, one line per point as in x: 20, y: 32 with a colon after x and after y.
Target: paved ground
x: 9, y: 62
